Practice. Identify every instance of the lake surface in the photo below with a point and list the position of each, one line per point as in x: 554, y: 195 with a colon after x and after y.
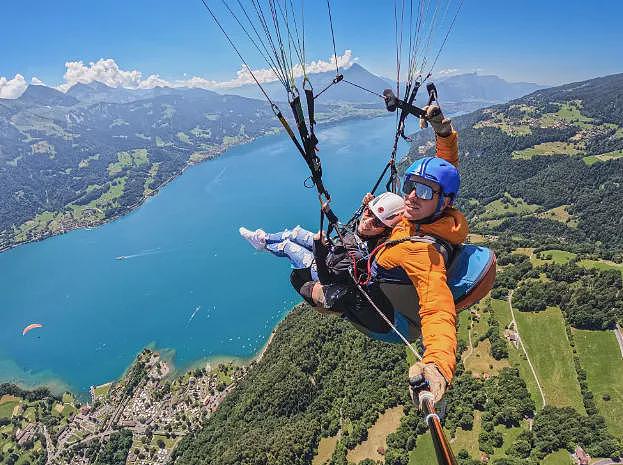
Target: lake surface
x: 189, y: 283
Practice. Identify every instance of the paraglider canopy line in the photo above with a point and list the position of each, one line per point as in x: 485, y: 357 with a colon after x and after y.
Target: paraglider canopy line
x: 237, y: 52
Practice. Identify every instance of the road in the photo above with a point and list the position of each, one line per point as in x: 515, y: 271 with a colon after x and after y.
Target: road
x: 606, y: 462
x: 471, y: 346
x: 48, y: 445
x: 536, y: 378
x: 618, y: 332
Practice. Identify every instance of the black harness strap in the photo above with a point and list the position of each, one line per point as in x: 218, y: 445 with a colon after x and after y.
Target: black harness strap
x: 297, y: 111
x: 309, y: 96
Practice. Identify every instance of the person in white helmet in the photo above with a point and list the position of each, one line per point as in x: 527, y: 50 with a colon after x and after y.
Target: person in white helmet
x: 320, y: 269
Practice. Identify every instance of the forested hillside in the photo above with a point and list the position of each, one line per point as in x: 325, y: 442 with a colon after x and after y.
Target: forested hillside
x: 317, y: 376
x: 547, y: 166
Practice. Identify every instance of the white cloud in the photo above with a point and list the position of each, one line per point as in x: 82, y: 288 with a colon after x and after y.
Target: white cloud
x: 109, y: 72
x: 12, y: 88
x: 35, y: 81
x: 104, y: 70
x: 243, y: 77
x: 448, y: 72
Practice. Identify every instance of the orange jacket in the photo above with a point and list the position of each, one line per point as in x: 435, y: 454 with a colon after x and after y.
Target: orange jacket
x: 426, y: 268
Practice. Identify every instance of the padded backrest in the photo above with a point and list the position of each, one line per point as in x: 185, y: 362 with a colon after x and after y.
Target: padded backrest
x: 470, y: 277
x: 473, y: 268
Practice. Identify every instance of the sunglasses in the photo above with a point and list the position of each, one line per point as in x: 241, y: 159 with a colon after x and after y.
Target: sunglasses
x: 375, y: 221
x: 422, y: 191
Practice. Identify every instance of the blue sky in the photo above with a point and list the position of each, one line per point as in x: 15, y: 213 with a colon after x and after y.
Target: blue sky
x: 547, y: 41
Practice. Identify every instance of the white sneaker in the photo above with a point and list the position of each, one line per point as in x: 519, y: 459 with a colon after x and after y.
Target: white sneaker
x: 256, y: 238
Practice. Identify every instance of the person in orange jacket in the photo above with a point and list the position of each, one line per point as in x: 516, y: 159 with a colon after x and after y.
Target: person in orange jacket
x: 430, y: 187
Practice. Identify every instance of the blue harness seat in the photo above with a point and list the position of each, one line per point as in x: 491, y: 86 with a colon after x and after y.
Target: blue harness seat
x: 470, y: 277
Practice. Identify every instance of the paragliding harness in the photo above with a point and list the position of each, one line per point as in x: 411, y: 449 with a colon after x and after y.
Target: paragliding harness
x: 279, y: 59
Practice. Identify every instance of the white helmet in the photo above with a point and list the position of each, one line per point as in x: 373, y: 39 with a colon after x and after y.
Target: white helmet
x: 387, y: 207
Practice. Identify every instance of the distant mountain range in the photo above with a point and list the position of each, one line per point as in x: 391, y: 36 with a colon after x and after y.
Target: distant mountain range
x: 481, y: 90
x: 98, y: 92
x: 458, y: 94
x: 342, y: 92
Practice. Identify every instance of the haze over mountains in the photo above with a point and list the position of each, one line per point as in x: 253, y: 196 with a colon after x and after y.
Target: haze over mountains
x: 460, y: 93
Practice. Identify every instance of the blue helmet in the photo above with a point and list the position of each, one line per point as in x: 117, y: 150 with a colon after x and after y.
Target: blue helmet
x: 439, y: 171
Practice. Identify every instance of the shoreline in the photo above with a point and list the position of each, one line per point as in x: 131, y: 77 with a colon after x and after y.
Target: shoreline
x: 219, y: 153
x: 167, y: 356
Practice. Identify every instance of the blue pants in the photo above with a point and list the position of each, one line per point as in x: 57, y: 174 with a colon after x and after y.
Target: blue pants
x: 296, y: 245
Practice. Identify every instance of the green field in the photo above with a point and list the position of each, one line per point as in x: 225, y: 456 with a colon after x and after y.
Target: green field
x: 127, y: 160
x: 6, y: 408
x: 544, y: 337
x: 463, y: 326
x: 424, y: 452
x: 591, y: 160
x: 506, y: 207
x: 516, y: 356
x: 503, y: 123
x: 481, y: 362
x: 569, y: 112
x: 102, y: 390
x: 557, y: 256
x: 559, y: 214
x: 478, y: 359
x: 468, y: 440
x: 547, y: 148
x: 601, y: 358
x: 560, y: 457
x: 601, y: 265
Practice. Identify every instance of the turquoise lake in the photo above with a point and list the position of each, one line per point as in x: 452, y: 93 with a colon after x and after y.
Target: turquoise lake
x: 184, y: 257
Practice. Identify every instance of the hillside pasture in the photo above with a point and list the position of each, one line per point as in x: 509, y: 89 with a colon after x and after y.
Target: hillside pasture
x: 388, y: 422
x: 467, y: 439
x: 559, y: 257
x: 527, y: 251
x: 601, y: 357
x: 543, y: 334
x: 326, y: 447
x: 559, y: 214
x: 501, y: 121
x: 568, y: 112
x: 516, y: 356
x: 7, y: 406
x: 507, y: 206
x: 424, y: 452
x: 592, y: 159
x: 546, y: 149
x: 481, y: 362
x: 601, y: 265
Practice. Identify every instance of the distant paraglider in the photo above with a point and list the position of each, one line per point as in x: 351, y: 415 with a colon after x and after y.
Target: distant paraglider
x: 30, y: 327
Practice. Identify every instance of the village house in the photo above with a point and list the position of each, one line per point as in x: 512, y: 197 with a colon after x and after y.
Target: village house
x: 580, y: 457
